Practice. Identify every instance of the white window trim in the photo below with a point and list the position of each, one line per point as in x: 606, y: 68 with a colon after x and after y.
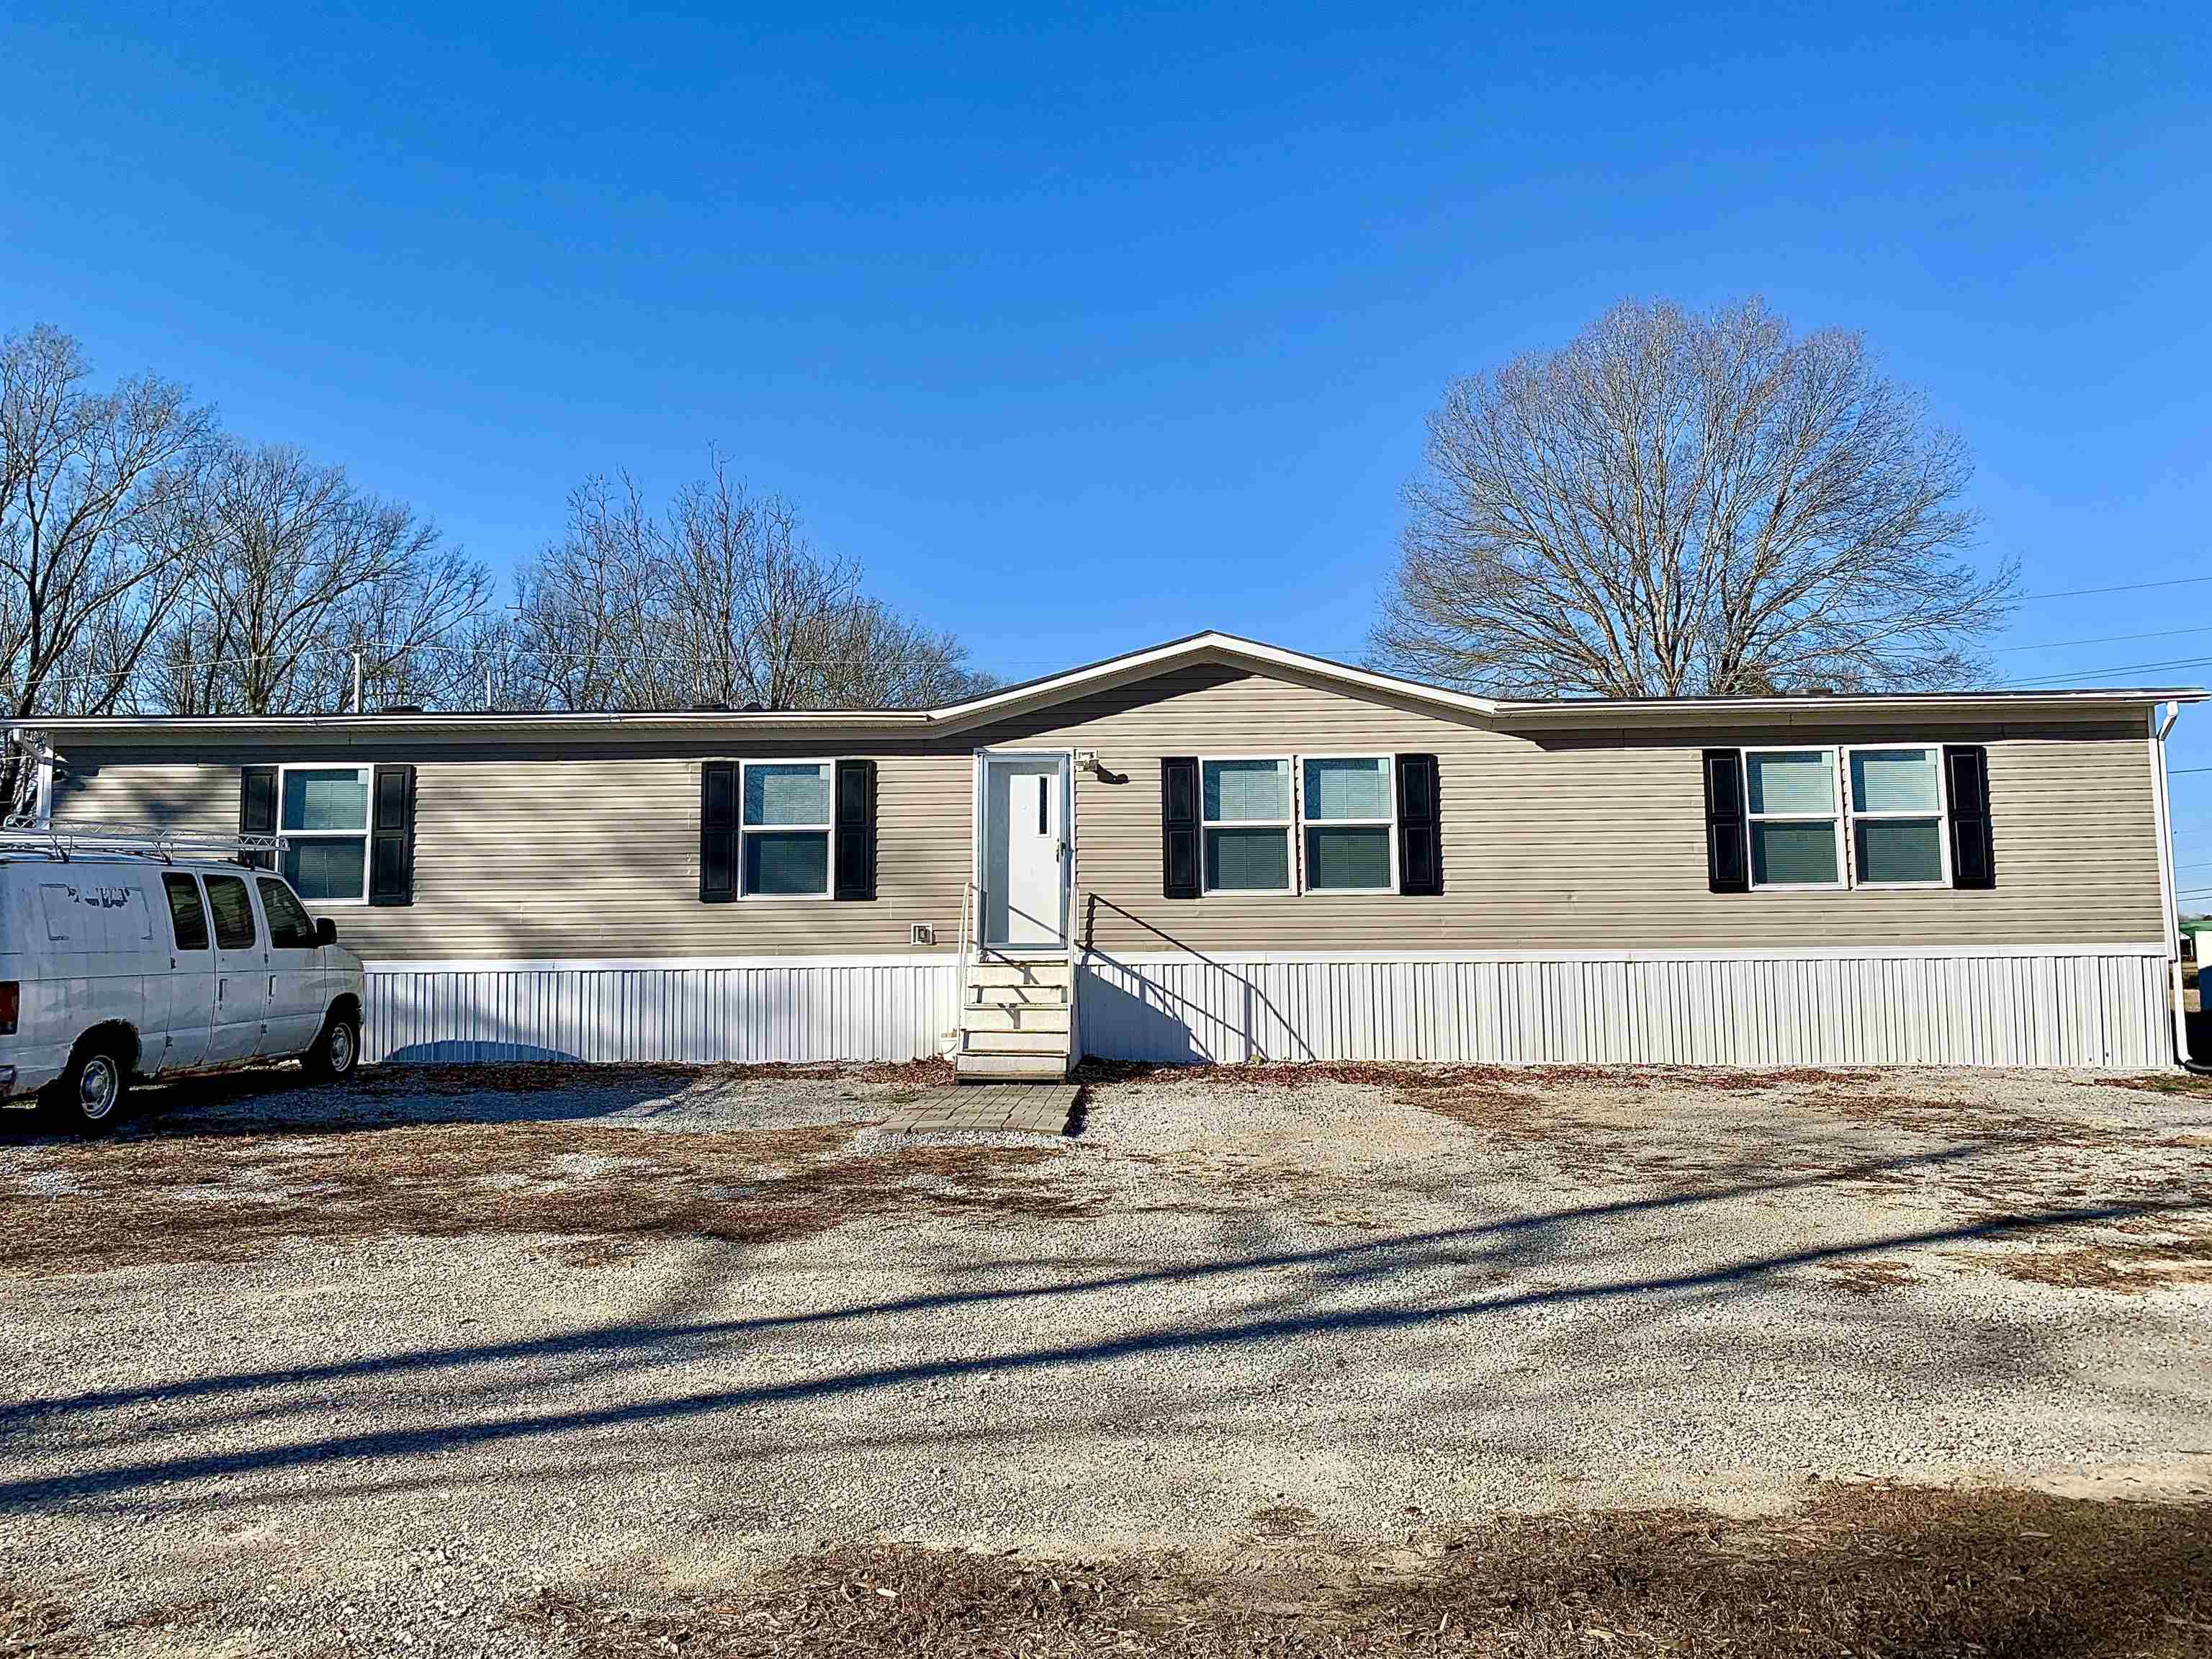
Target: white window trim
x: 1834, y: 818
x: 1288, y: 826
x: 1942, y: 815
x: 1390, y: 793
x: 366, y: 835
x: 829, y: 868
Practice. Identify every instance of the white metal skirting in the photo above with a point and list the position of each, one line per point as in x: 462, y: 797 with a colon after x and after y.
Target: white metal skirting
x: 2091, y: 1005
x: 700, y: 1014
x: 2093, y: 1008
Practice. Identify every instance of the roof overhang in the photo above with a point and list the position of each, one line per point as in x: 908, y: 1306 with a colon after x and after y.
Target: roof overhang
x: 1210, y: 648
x: 2088, y: 703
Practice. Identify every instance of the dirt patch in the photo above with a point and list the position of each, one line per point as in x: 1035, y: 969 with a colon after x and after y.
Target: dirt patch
x: 1859, y: 1571
x: 2158, y: 1083
x: 33, y: 1624
x: 185, y: 1197
x: 1282, y: 1521
x: 2127, y: 1265
x: 1869, y: 1277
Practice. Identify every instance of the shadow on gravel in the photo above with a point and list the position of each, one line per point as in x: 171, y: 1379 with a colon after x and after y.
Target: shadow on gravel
x: 280, y: 1099
x: 1479, y: 1257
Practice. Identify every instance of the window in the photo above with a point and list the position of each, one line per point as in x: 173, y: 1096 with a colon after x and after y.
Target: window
x: 1899, y: 838
x: 187, y: 916
x: 1349, y: 807
x: 233, y: 912
x: 1795, y: 817
x: 323, y: 815
x: 290, y: 928
x: 1245, y: 814
x: 786, y: 829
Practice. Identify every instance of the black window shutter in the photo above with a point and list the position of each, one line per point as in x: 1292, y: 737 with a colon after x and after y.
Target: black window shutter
x: 1966, y: 782
x: 1420, y: 826
x: 392, y: 837
x: 718, y: 832
x: 1179, y: 876
x: 257, y: 809
x: 856, y: 829
x: 1727, y: 857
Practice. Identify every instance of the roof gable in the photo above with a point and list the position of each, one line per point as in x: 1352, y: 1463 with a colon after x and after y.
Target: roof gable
x: 1225, y: 650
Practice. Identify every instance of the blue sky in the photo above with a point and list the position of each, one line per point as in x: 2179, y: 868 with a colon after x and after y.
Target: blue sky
x: 1086, y: 329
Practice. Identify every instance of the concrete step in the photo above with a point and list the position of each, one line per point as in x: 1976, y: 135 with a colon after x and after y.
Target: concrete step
x: 1000, y: 970
x: 1013, y: 1042
x: 1025, y: 1017
x: 1009, y: 1068
x: 1010, y: 996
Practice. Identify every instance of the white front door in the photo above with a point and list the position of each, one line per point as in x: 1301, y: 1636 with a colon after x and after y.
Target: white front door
x: 1026, y: 850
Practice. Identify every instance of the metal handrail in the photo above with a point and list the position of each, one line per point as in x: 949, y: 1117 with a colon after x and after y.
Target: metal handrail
x: 1071, y: 921
x: 967, y: 890
x: 149, y: 839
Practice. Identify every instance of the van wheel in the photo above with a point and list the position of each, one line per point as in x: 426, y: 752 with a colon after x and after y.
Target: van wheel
x: 337, y: 1050
x: 90, y: 1094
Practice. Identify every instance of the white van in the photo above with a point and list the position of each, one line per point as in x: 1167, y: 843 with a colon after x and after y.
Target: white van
x: 116, y: 964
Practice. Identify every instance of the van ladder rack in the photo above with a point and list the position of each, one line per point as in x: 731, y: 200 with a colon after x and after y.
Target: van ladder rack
x: 150, y: 840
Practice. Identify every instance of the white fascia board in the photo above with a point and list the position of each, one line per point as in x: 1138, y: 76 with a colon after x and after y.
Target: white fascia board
x: 434, y: 726
x: 1785, y: 711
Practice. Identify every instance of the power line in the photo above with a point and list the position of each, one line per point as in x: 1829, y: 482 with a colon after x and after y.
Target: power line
x: 2106, y: 639
x: 2100, y: 674
x: 2124, y: 587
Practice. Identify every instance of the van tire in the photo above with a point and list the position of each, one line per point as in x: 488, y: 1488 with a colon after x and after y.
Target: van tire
x: 337, y: 1048
x: 89, y: 1095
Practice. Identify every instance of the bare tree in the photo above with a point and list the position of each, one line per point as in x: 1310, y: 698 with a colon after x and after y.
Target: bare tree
x: 1677, y: 504
x: 293, y: 570
x: 721, y: 599
x: 588, y: 615
x: 89, y: 482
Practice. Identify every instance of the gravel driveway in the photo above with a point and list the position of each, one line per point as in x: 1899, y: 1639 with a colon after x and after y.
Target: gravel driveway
x: 376, y: 1365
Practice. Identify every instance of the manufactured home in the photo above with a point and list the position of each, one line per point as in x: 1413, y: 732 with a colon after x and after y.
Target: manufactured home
x: 1218, y: 850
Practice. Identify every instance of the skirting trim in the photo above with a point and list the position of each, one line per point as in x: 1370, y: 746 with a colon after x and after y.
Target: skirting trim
x: 2081, y: 1006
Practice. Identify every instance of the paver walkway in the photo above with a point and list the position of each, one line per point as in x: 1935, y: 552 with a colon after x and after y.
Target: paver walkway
x: 1043, y: 1109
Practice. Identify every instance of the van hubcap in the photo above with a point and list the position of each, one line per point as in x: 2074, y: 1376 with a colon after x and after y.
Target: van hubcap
x: 341, y: 1048
x: 95, y: 1087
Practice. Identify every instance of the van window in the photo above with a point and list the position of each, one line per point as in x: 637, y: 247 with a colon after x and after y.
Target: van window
x: 129, y: 928
x: 95, y: 917
x: 233, y: 912
x: 290, y: 928
x: 187, y: 918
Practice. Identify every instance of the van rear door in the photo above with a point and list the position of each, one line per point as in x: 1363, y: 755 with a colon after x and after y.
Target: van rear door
x: 183, y: 1001
x: 241, y: 972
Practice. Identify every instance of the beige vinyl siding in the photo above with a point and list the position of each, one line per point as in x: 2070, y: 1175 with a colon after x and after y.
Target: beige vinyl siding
x: 1584, y: 841
x: 1592, y: 842
x: 576, y: 857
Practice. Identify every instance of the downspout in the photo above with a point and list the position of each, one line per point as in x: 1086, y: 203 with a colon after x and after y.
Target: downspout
x: 2169, y: 896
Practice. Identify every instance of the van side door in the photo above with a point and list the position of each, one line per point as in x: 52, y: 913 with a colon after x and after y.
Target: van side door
x: 242, y: 971
x: 183, y: 1001
x: 295, y: 970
